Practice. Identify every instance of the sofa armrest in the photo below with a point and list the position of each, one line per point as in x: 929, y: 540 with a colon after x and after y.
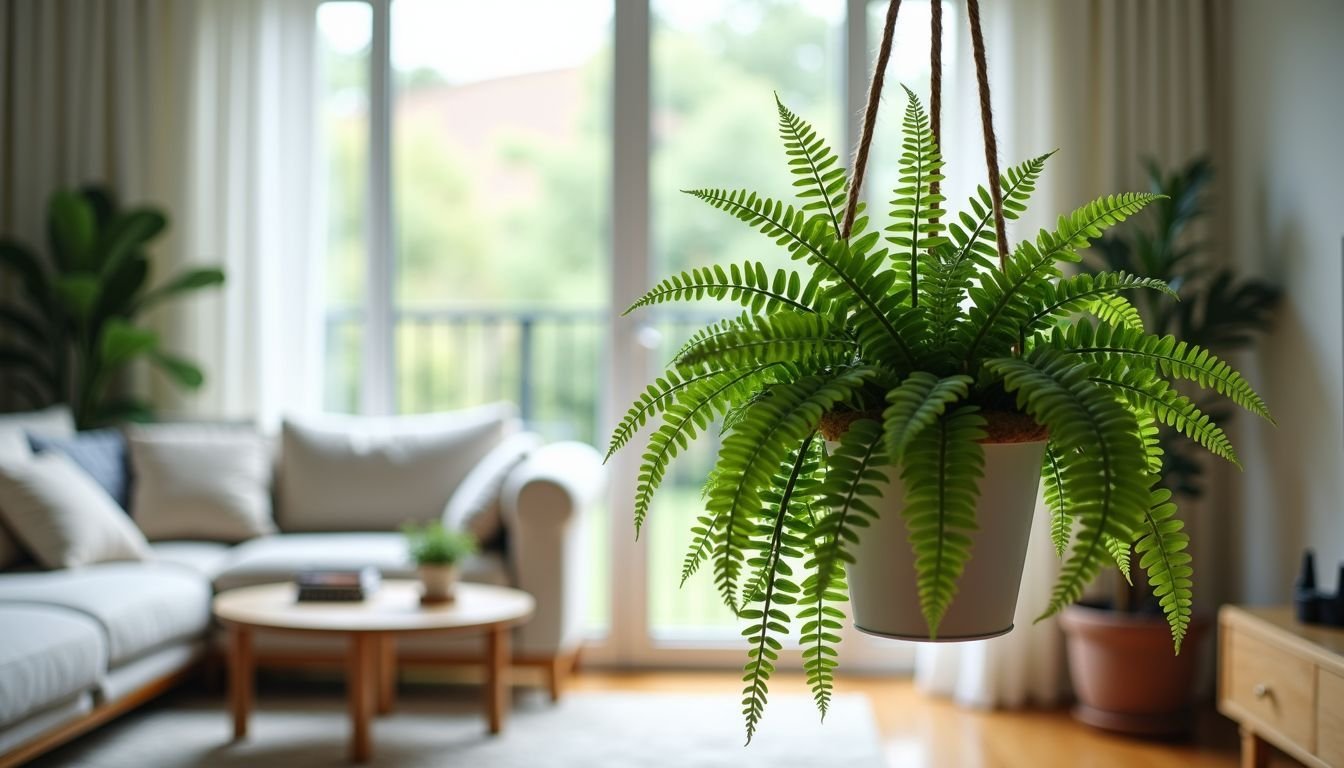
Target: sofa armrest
x: 544, y: 501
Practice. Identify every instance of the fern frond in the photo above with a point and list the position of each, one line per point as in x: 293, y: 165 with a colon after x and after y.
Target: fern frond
x: 767, y: 431
x: 1061, y: 518
x: 1115, y: 310
x: 748, y: 285
x: 783, y: 541
x: 655, y: 400
x: 1162, y: 554
x: 808, y: 340
x: 915, y: 211
x: 1119, y: 551
x: 698, y: 404
x: 915, y: 405
x: 942, y: 482
x: 820, y: 175
x: 1101, y: 460
x: 972, y: 233
x: 1002, y: 301
x: 1079, y: 293
x: 1146, y: 391
x: 852, y: 478
x: 809, y: 239
x: 1163, y: 354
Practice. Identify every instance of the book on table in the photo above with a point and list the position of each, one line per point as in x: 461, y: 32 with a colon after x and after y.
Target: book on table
x: 337, y: 585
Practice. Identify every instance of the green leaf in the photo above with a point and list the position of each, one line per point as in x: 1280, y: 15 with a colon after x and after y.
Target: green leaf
x: 915, y: 405
x: 1144, y: 390
x: 121, y: 288
x: 820, y: 176
x: 125, y: 236
x: 78, y: 293
x: 1162, y: 553
x: 1056, y: 500
x: 1059, y: 299
x: 942, y: 483
x: 805, y: 339
x: 1002, y: 303
x: 772, y: 425
x: 72, y: 229
x: 192, y: 280
x: 1163, y: 354
x: 183, y: 373
x: 22, y: 260
x: 916, y: 209
x: 655, y: 400
x: 781, y: 540
x: 747, y: 285
x: 695, y: 407
x: 123, y: 342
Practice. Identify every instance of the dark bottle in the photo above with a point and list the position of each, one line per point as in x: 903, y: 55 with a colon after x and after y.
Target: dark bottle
x: 1306, y: 598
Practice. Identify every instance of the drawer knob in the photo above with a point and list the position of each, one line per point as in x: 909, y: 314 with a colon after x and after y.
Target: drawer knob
x: 1261, y: 690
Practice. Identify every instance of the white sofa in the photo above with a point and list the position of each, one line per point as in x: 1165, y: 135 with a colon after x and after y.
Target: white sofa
x: 79, y: 646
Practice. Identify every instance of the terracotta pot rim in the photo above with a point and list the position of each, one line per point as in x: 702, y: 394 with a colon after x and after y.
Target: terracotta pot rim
x: 1083, y: 616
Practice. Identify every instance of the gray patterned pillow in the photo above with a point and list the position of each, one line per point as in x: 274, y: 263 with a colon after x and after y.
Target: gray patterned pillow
x: 100, y: 452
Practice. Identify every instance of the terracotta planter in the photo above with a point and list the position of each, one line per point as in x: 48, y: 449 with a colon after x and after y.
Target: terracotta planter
x: 884, y: 599
x: 438, y: 582
x: 1124, y: 672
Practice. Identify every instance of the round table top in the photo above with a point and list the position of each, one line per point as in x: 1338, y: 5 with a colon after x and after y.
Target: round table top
x: 394, y: 607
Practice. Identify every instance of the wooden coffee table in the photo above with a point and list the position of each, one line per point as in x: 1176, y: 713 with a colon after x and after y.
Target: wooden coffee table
x: 372, y: 627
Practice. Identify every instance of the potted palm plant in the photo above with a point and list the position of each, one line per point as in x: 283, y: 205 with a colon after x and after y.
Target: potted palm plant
x: 73, y: 326
x: 437, y: 551
x: 890, y: 407
x: 1123, y: 674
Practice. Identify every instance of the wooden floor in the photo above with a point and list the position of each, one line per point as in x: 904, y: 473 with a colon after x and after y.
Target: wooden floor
x: 919, y: 731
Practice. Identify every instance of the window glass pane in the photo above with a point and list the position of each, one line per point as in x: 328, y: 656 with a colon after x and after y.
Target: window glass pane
x: 344, y: 32
x: 716, y: 64
x: 501, y: 157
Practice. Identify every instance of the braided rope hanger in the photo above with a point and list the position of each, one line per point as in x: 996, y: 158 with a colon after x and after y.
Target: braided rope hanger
x: 935, y: 108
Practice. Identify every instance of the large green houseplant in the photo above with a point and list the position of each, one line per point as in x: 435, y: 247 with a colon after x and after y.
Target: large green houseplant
x: 1124, y: 678
x: 905, y: 357
x: 71, y: 328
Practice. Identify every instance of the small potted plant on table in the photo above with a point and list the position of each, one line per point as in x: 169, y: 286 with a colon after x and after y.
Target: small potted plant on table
x: 437, y: 552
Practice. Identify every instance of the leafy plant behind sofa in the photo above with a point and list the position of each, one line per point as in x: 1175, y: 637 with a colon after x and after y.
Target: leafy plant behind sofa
x: 71, y: 328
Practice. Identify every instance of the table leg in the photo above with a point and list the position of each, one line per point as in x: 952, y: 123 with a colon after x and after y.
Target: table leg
x: 241, y: 678
x: 361, y: 680
x: 1254, y: 750
x: 387, y: 673
x: 497, y: 677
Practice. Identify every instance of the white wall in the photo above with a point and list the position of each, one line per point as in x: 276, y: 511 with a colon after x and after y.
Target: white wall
x: 1283, y: 203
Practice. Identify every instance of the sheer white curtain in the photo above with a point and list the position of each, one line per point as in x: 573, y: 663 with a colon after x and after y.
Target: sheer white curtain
x: 1107, y: 83
x: 203, y: 107
x: 252, y: 204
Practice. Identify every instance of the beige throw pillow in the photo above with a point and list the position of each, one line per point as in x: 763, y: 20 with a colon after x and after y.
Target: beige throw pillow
x: 56, y: 422
x: 475, y: 506
x: 201, y: 482
x: 63, y: 517
x: 350, y: 473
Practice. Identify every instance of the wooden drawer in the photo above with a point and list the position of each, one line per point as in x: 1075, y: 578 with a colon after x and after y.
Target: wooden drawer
x: 1330, y: 717
x: 1271, y: 685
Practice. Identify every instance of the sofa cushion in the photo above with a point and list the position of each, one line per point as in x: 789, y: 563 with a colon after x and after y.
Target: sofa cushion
x: 49, y: 654
x: 141, y: 606
x: 350, y: 473
x: 101, y: 453
x: 474, y: 506
x: 56, y: 421
x: 206, y: 558
x: 15, y: 428
x: 62, y: 516
x: 201, y: 482
x: 278, y: 558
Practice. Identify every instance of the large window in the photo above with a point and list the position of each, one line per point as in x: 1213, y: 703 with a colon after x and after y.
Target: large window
x: 470, y: 225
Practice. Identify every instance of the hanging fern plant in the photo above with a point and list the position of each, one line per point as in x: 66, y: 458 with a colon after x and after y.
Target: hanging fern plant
x: 902, y: 353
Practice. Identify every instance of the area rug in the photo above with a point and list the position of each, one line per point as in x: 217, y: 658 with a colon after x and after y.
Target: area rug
x: 585, y: 730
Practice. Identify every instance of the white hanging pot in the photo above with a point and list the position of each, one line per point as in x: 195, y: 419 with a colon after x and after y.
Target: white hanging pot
x: 883, y: 595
